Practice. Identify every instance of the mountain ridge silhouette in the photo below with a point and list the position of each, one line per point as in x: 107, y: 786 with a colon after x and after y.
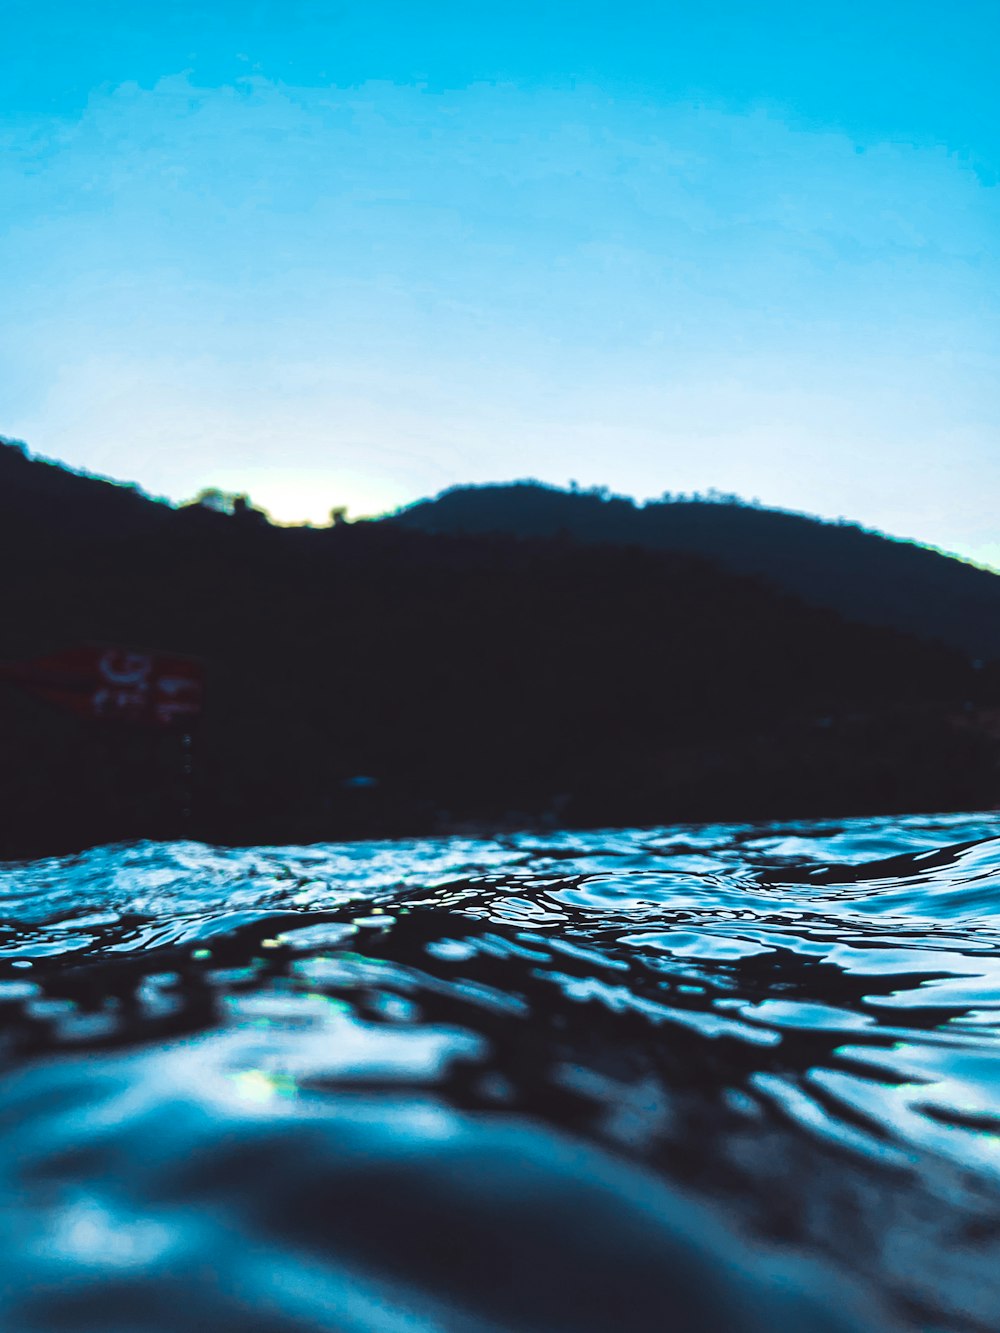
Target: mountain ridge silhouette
x: 864, y: 575
x: 473, y: 681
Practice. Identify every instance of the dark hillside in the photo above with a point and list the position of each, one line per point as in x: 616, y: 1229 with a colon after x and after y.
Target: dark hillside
x: 45, y: 506
x: 484, y: 681
x: 859, y: 574
x: 478, y: 680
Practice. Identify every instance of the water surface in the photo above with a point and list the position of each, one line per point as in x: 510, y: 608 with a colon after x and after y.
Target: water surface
x: 745, y: 1075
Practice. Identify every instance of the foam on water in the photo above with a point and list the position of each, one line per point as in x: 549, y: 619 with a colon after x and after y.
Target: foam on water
x: 516, y: 1083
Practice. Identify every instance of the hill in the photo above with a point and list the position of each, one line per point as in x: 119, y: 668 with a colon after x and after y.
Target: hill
x: 45, y: 505
x: 476, y: 681
x: 862, y: 575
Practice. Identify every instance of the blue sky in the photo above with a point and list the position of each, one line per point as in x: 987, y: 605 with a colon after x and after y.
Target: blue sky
x: 353, y: 254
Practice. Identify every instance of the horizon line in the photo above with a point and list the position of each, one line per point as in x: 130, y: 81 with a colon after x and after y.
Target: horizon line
x: 712, y: 496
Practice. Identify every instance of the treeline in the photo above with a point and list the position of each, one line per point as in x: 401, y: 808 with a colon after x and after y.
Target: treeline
x: 470, y: 681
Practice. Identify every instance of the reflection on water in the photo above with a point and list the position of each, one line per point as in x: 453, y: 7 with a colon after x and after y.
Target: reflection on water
x: 747, y: 1075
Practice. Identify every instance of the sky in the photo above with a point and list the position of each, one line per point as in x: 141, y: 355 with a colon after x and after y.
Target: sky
x: 355, y: 253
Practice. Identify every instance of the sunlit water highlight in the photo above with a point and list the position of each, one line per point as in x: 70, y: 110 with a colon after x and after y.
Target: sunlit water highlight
x: 746, y: 1074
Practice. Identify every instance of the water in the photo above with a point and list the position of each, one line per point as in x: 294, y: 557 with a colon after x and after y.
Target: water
x: 727, y: 1077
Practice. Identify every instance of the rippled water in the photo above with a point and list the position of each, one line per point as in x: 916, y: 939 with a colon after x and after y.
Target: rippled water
x: 727, y: 1077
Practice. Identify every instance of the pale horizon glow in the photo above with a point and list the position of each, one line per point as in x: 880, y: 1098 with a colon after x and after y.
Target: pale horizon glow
x: 336, y: 259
